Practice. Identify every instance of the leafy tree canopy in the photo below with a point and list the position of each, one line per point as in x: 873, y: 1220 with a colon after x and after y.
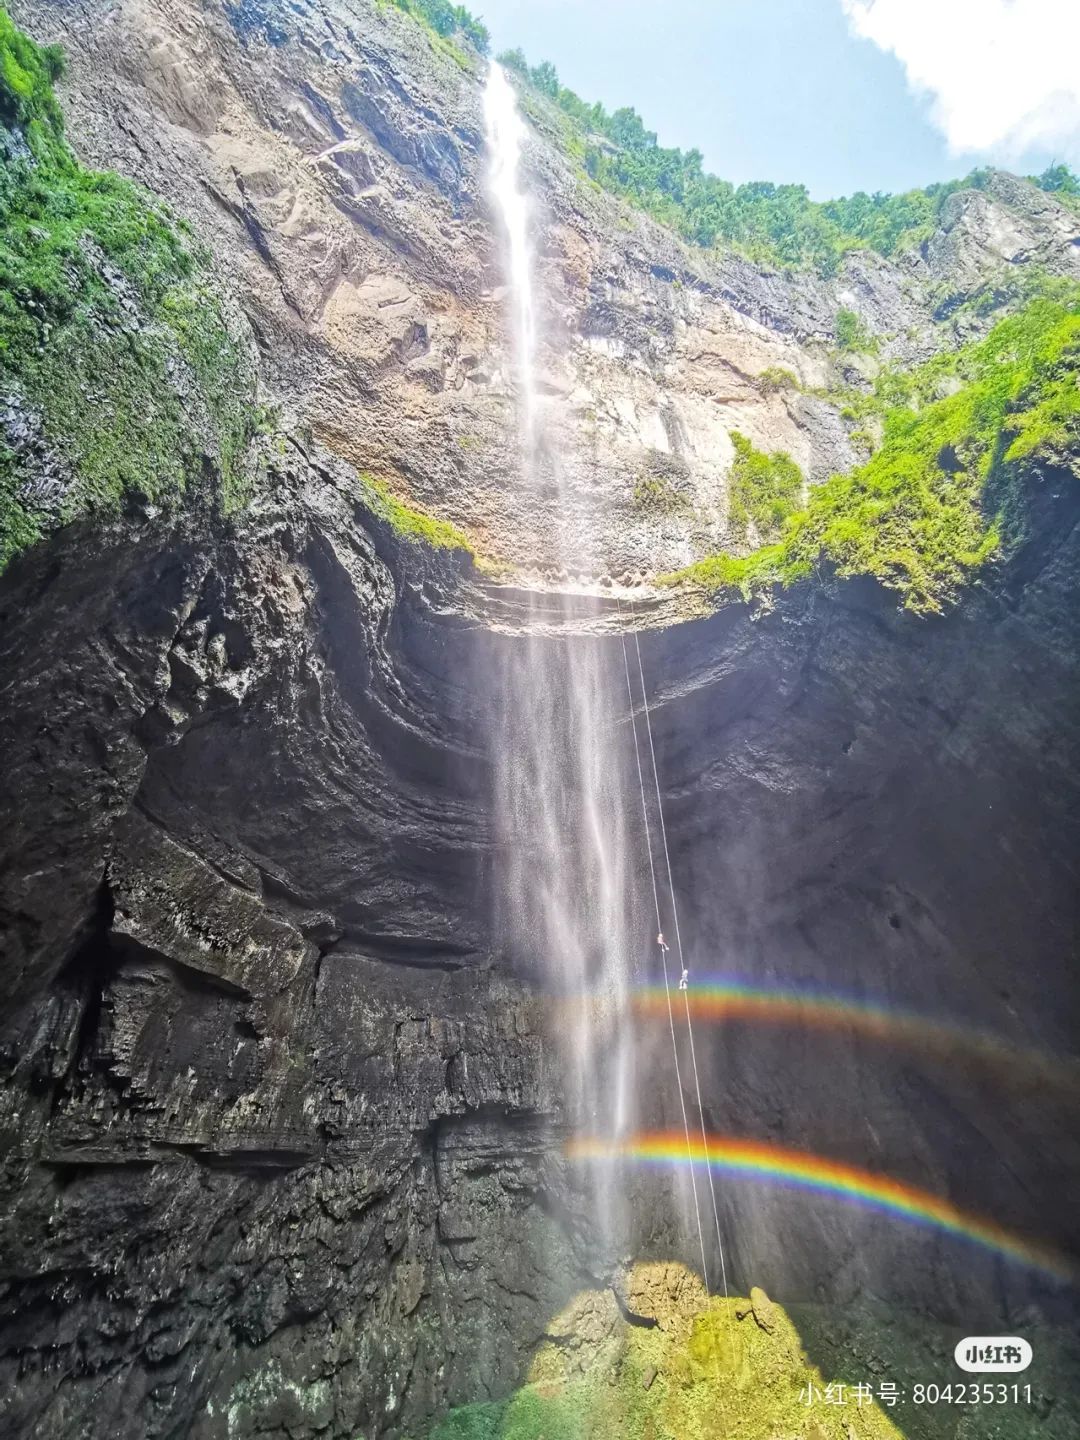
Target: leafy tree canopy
x: 772, y: 224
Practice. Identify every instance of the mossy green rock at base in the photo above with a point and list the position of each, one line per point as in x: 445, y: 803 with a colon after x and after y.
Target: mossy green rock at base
x: 706, y: 1369
x: 122, y: 377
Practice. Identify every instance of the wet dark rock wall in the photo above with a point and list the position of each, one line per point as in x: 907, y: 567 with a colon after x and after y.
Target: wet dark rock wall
x: 873, y: 806
x: 273, y: 1115
x: 283, y: 1131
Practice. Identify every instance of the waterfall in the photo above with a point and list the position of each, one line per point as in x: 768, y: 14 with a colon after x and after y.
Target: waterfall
x: 561, y: 755
x: 505, y: 140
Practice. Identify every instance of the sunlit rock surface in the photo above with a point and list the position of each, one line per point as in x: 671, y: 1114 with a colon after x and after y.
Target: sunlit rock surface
x: 332, y: 154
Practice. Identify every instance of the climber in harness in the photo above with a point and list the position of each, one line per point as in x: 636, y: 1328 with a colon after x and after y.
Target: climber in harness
x: 665, y: 948
x: 684, y: 979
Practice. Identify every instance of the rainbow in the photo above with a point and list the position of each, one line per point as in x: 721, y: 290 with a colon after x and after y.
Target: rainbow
x: 721, y: 999
x: 755, y: 1160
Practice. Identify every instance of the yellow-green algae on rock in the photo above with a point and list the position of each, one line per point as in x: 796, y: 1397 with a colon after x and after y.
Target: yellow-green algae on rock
x: 685, y: 1366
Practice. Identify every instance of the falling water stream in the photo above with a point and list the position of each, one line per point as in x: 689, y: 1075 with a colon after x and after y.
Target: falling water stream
x: 562, y: 780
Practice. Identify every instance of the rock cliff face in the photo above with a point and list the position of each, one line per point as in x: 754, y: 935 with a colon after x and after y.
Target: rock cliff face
x: 282, y: 1118
x: 332, y: 154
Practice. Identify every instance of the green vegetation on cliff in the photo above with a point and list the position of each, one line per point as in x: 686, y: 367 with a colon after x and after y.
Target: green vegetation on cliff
x: 771, y: 224
x: 852, y: 335
x: 940, y: 495
x: 409, y: 523
x: 120, y: 375
x: 447, y: 21
x: 763, y: 490
x: 655, y: 494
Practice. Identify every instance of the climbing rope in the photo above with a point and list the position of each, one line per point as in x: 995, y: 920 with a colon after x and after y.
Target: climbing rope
x: 663, y: 955
x: 683, y: 986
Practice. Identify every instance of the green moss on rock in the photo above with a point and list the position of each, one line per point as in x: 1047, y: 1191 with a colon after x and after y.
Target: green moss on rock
x: 121, y: 374
x: 852, y: 334
x: 707, y: 1367
x: 656, y: 496
x: 410, y: 523
x: 27, y: 72
x: 775, y: 379
x: 764, y: 490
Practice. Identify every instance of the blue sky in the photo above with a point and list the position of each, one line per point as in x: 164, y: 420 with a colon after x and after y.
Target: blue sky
x: 787, y: 90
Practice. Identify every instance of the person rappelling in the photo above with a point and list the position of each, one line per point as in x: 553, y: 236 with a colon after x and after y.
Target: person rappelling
x: 684, y: 979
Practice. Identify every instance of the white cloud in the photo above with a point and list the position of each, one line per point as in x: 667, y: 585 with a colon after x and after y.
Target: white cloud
x: 1003, y: 75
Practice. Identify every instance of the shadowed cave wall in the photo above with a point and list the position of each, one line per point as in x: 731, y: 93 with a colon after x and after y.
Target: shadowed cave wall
x: 276, y: 1104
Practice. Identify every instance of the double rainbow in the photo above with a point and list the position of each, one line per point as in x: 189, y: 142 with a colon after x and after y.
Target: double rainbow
x: 757, y: 1161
